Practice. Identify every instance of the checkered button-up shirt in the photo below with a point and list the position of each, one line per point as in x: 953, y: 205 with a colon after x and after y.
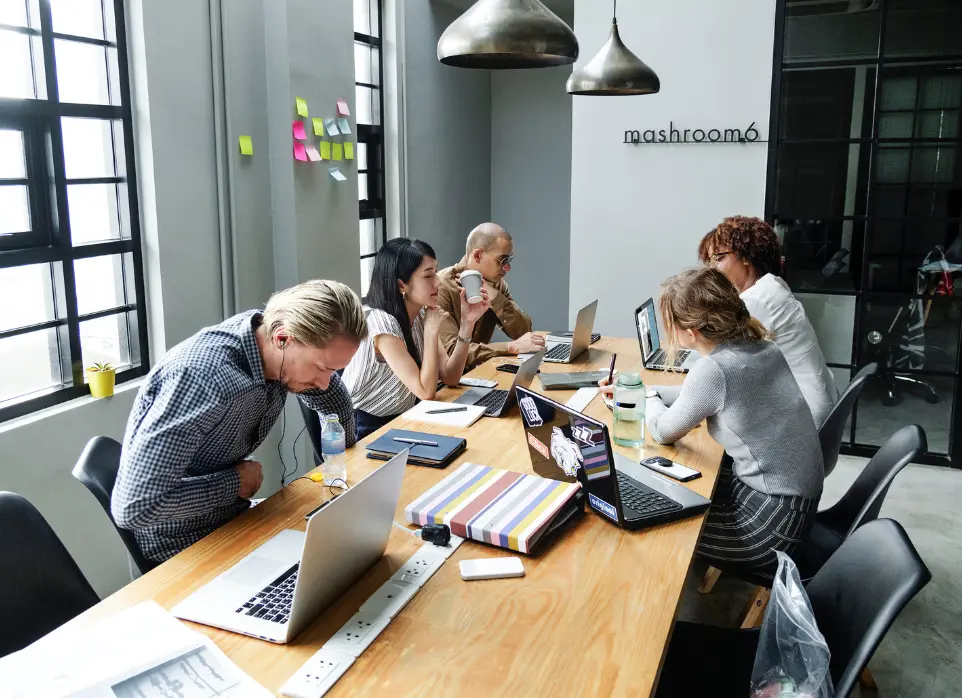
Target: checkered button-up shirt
x: 202, y: 409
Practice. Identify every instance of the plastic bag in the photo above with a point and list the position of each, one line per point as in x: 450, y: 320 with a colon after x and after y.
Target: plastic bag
x: 792, y: 659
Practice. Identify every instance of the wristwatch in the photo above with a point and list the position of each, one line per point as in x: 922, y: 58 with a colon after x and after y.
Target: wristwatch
x: 651, y: 393
x: 464, y: 340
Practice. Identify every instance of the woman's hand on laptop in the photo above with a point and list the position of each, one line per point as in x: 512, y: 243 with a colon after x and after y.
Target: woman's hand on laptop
x: 251, y: 476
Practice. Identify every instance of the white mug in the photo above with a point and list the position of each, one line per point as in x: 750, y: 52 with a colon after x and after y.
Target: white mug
x: 471, y: 282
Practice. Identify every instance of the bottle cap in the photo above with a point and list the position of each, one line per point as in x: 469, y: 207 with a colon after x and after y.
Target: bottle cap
x: 629, y: 378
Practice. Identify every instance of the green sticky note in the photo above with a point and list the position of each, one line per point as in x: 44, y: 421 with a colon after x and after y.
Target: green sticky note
x: 348, y: 150
x: 318, y: 126
x: 325, y: 150
x: 336, y: 152
x: 246, y: 145
x: 301, y: 106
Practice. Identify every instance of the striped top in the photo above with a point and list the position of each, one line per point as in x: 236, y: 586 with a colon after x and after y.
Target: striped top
x: 374, y: 387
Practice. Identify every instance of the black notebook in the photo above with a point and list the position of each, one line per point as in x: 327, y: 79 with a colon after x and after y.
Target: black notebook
x: 442, y: 451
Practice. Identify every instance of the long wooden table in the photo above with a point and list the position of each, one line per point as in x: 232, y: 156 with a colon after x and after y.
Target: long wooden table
x: 592, y: 616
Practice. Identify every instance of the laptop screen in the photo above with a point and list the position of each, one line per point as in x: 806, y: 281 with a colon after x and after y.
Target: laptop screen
x: 648, y: 329
x: 566, y: 445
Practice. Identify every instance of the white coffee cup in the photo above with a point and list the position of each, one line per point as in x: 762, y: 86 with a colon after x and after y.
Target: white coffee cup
x: 471, y: 282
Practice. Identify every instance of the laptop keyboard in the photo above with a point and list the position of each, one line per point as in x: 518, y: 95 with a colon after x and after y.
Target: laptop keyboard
x: 559, y: 351
x: 661, y: 359
x: 493, y: 402
x: 642, y: 499
x: 273, y: 602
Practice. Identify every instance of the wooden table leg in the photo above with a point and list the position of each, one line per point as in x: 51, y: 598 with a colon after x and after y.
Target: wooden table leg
x: 755, y: 610
x: 708, y: 581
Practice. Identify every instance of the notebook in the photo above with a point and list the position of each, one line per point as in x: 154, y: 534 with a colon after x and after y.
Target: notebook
x: 499, y: 507
x: 448, y: 448
x: 452, y: 419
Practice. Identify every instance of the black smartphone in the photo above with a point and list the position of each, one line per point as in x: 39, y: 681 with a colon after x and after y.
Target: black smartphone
x: 668, y: 467
x: 509, y: 368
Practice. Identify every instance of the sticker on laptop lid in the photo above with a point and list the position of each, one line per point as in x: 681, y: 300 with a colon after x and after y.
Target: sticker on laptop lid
x: 530, y: 411
x: 603, y: 507
x: 538, y: 446
x: 565, y: 452
x: 587, y: 435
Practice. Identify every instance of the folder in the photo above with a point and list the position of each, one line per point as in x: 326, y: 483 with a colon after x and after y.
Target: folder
x: 447, y: 450
x: 498, y: 507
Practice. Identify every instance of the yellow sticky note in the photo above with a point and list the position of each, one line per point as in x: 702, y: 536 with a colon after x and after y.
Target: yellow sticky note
x: 318, y: 126
x: 301, y: 106
x: 348, y: 150
x: 336, y: 152
x: 246, y: 145
x: 325, y: 150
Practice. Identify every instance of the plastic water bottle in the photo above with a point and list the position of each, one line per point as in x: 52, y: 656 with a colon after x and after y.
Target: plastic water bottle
x: 629, y: 411
x: 334, y: 466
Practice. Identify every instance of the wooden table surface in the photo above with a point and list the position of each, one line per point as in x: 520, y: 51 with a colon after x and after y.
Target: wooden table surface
x: 591, y: 617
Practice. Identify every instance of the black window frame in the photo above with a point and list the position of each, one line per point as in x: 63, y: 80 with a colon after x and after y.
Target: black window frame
x: 49, y: 241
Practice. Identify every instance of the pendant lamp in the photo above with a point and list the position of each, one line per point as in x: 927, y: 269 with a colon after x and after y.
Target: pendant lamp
x: 508, y: 34
x: 614, y: 71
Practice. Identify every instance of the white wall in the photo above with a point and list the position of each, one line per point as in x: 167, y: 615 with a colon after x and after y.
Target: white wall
x: 531, y: 185
x: 638, y: 211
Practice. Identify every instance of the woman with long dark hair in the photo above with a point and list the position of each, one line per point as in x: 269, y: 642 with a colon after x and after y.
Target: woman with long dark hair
x: 402, y: 358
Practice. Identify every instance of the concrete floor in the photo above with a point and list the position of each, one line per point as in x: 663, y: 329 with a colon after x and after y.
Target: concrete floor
x: 922, y: 653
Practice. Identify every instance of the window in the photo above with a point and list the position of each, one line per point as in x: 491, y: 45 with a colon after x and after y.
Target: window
x: 369, y: 105
x: 865, y: 188
x: 71, y: 285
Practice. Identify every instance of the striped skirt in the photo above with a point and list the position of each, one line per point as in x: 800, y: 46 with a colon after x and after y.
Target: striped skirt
x: 745, y: 527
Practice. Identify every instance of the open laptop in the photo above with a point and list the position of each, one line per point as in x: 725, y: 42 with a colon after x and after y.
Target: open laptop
x: 498, y: 402
x: 567, y: 445
x: 274, y: 592
x: 653, y: 355
x: 566, y: 352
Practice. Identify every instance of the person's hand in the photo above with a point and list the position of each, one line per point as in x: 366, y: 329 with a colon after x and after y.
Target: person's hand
x: 472, y: 312
x: 606, y: 388
x: 493, y: 293
x: 251, y: 476
x: 527, y: 343
x: 432, y: 319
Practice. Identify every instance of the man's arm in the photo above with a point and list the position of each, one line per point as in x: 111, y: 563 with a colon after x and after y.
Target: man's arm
x: 151, y: 486
x: 337, y: 400
x: 514, y: 321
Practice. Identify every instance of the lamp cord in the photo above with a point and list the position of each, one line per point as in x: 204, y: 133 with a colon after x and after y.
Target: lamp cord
x: 614, y: 12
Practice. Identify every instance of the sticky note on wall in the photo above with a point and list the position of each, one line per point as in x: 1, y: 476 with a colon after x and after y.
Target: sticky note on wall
x: 342, y: 108
x: 331, y: 127
x: 325, y: 150
x: 300, y: 152
x: 298, y: 128
x: 336, y: 153
x: 318, y: 126
x: 348, y: 150
x: 344, y: 125
x: 337, y: 174
x: 301, y: 105
x: 246, y: 145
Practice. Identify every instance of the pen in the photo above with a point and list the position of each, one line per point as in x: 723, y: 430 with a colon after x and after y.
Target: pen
x: 445, y: 411
x: 611, y: 368
x: 416, y: 442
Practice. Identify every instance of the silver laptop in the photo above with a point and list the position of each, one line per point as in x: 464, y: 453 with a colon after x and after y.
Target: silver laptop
x: 566, y: 352
x: 278, y: 589
x: 498, y: 402
x: 653, y: 355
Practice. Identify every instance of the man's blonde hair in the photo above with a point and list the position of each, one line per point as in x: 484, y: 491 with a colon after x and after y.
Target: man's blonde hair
x: 315, y: 312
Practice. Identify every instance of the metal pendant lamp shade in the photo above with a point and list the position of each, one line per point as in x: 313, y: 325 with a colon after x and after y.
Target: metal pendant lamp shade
x: 508, y: 34
x: 614, y: 71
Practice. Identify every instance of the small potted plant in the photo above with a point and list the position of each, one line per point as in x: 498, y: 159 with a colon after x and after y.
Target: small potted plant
x: 101, y: 379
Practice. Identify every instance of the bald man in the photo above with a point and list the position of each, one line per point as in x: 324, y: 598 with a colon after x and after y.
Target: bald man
x: 489, y: 250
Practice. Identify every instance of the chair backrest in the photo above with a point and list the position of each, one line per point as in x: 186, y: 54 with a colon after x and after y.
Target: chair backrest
x: 860, y: 591
x: 97, y: 469
x: 832, y: 431
x: 41, y: 587
x: 863, y: 500
x: 313, y: 422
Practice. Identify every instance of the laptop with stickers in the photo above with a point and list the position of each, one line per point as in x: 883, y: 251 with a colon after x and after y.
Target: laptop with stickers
x: 566, y: 445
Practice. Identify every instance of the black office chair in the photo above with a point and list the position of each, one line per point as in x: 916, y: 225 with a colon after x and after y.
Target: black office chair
x: 832, y: 431
x: 41, y: 587
x: 855, y: 597
x: 97, y: 469
x: 313, y: 423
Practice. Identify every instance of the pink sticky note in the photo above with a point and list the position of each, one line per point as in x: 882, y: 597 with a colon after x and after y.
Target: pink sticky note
x: 313, y: 154
x: 298, y: 128
x: 342, y: 108
x: 300, y: 152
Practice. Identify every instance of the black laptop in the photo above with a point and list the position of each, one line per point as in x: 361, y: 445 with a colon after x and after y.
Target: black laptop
x: 497, y: 402
x: 567, y: 445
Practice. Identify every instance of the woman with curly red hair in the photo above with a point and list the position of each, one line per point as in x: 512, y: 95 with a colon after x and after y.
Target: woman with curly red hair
x: 748, y: 252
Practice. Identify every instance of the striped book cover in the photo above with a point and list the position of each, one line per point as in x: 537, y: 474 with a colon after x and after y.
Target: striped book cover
x: 499, y: 507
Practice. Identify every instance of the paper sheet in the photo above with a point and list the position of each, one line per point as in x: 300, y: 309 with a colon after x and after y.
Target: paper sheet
x: 298, y: 128
x: 337, y: 174
x: 300, y: 152
x: 457, y: 419
x: 312, y: 154
x: 348, y: 150
x: 342, y: 108
x: 337, y: 152
x: 318, y: 126
x: 301, y: 105
x: 246, y: 145
x: 325, y: 150
x: 331, y: 127
x: 141, y: 652
x: 344, y: 125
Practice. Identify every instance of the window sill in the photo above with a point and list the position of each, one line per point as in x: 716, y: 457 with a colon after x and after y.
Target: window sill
x: 79, y: 403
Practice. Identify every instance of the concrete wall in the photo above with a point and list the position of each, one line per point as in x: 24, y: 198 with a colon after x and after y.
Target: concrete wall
x: 638, y: 211
x: 531, y: 185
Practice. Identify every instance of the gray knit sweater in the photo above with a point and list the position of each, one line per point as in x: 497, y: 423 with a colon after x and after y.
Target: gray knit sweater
x: 754, y: 409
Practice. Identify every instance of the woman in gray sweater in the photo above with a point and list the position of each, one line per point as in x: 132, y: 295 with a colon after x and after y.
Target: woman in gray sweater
x: 766, y: 496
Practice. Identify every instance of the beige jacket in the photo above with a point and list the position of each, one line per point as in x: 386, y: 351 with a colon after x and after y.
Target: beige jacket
x: 504, y: 313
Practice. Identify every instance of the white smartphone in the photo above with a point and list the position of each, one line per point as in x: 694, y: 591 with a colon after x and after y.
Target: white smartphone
x: 491, y: 568
x: 670, y: 468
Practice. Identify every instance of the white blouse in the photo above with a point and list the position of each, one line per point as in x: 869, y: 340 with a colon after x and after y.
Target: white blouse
x: 771, y: 302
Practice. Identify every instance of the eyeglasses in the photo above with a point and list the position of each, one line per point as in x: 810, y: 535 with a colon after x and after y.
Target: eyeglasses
x: 505, y: 260
x: 716, y: 257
